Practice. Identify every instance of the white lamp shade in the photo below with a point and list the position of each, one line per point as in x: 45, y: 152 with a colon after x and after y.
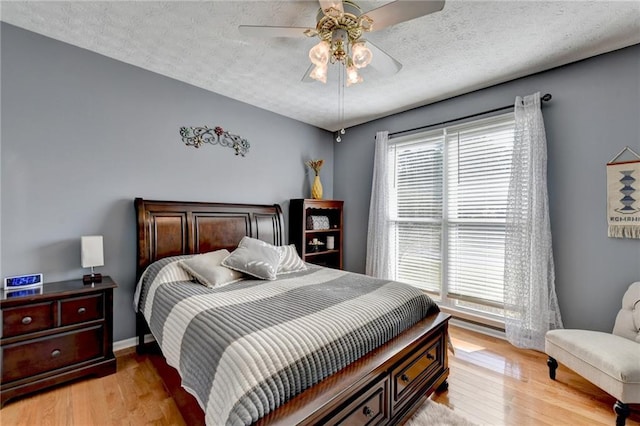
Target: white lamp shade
x: 91, y: 251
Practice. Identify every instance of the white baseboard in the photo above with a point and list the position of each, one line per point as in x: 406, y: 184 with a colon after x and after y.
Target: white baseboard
x: 131, y: 342
x: 478, y: 328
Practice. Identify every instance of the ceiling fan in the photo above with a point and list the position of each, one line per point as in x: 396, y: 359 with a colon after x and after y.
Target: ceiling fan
x: 340, y: 25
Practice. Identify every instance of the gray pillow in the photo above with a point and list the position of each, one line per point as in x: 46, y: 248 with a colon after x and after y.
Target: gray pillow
x: 207, y: 269
x: 289, y: 260
x: 254, y: 257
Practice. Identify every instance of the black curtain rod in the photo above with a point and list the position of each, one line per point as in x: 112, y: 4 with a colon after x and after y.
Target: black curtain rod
x: 545, y: 98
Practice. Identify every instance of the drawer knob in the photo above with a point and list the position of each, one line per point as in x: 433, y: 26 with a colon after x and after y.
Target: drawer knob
x: 429, y: 356
x: 367, y: 411
x: 56, y: 353
x: 81, y: 310
x: 404, y: 378
x: 27, y: 320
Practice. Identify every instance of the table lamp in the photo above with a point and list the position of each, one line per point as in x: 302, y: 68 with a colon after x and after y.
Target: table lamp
x: 91, y: 255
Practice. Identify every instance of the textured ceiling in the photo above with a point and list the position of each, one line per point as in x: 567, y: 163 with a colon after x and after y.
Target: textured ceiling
x: 467, y: 46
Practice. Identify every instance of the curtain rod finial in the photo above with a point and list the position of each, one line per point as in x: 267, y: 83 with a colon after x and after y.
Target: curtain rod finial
x: 546, y: 97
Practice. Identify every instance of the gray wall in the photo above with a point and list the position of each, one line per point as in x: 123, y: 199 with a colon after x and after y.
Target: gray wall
x: 82, y: 135
x: 595, y: 112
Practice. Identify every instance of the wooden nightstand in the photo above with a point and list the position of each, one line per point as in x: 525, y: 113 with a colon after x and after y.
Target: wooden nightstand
x: 63, y: 333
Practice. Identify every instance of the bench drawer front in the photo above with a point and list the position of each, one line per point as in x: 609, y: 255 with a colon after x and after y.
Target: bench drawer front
x: 38, y: 356
x: 421, y: 367
x: 370, y: 408
x: 27, y: 319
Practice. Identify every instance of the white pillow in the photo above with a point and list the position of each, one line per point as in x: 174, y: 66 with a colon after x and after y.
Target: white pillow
x: 289, y: 260
x: 207, y: 269
x: 254, y: 257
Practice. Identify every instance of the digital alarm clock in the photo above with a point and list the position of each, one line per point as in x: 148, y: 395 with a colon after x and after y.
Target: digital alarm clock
x: 22, y: 281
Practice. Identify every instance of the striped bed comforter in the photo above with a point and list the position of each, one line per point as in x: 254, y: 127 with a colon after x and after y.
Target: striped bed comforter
x: 244, y: 349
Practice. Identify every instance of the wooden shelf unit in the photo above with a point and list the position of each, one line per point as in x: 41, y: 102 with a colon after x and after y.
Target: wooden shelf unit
x: 301, y: 236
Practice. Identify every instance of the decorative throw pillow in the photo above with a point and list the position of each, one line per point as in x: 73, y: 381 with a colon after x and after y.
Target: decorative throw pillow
x: 254, y: 257
x: 289, y: 260
x: 207, y: 269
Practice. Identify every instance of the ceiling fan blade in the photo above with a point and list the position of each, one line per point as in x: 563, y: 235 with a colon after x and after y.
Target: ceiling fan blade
x: 264, y: 31
x: 401, y: 11
x: 382, y: 61
x: 326, y: 4
x: 306, y: 78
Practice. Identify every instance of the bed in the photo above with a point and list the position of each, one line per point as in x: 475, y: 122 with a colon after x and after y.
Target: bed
x: 382, y: 385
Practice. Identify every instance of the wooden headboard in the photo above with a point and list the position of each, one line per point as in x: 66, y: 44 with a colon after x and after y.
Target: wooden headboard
x: 170, y: 228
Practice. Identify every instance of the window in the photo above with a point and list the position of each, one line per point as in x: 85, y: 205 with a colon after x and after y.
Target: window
x: 448, y: 205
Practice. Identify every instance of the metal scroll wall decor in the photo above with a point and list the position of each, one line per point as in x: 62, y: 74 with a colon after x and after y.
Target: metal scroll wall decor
x: 196, y: 136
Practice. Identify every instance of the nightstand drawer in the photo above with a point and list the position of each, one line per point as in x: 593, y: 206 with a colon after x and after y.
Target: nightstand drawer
x: 26, y: 319
x: 81, y: 309
x: 29, y: 358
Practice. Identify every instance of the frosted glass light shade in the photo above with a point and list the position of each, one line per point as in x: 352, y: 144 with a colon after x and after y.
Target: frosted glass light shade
x: 319, y: 54
x: 319, y: 73
x: 91, y: 251
x: 361, y: 55
x: 352, y: 76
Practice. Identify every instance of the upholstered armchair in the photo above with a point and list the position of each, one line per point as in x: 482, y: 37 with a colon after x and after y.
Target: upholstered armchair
x: 610, y: 361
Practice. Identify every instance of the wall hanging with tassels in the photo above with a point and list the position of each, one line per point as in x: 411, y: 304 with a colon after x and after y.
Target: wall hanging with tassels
x: 623, y: 196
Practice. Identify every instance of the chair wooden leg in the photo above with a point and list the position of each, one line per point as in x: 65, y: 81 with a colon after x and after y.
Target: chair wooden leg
x: 553, y: 365
x: 622, y: 410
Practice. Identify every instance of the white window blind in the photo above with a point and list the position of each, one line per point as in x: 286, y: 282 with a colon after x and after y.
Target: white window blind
x: 418, y: 186
x: 450, y: 197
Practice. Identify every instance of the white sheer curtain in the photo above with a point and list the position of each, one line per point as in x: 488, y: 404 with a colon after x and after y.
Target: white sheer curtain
x: 381, y: 244
x: 531, y: 305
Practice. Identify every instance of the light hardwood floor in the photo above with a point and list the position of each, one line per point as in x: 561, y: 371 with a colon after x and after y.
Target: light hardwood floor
x: 491, y: 383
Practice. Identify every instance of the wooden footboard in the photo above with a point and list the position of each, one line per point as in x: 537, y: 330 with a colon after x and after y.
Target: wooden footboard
x: 383, y: 387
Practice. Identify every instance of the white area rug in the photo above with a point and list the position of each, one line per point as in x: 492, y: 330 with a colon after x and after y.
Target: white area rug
x: 434, y: 414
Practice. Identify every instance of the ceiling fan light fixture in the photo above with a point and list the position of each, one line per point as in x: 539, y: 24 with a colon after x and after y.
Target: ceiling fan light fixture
x: 319, y: 54
x: 340, y: 24
x: 361, y: 55
x: 319, y: 73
